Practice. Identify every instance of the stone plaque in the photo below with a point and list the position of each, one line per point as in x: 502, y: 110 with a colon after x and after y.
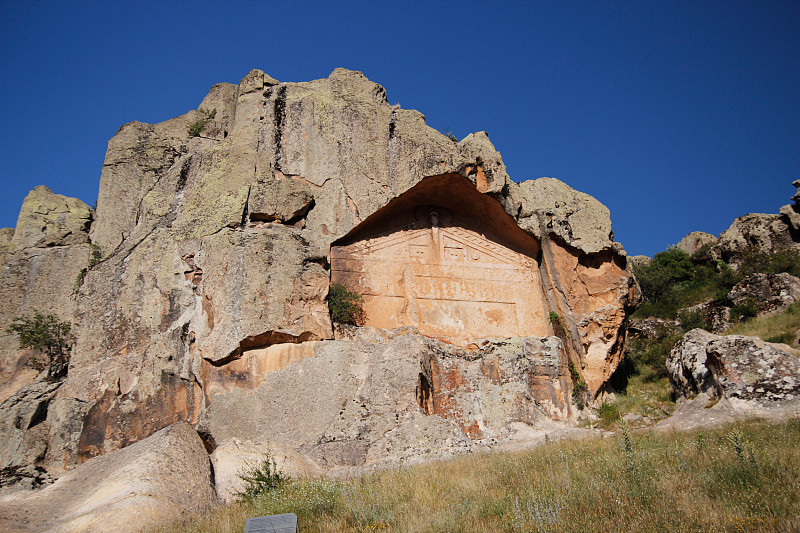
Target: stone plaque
x: 277, y: 523
x: 446, y: 276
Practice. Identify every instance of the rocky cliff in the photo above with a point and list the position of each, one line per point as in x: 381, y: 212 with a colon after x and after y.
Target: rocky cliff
x: 197, y: 290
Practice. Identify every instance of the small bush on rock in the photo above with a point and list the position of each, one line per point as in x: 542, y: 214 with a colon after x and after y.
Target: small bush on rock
x: 48, y: 334
x: 346, y: 307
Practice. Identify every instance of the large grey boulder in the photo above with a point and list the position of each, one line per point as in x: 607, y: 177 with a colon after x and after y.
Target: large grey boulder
x: 753, y: 233
x: 791, y: 212
x: 153, y: 481
x: 747, y: 370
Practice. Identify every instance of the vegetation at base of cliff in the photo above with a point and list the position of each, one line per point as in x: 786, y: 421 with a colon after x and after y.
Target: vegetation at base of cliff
x: 345, y: 307
x: 739, y: 477
x: 47, y: 334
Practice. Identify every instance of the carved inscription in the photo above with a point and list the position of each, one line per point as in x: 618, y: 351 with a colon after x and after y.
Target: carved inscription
x: 440, y: 274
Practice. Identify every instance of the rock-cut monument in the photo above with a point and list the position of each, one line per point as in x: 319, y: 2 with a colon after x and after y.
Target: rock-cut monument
x: 197, y: 291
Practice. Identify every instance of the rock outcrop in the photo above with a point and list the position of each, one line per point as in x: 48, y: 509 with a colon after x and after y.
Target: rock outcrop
x: 791, y: 212
x: 768, y: 293
x: 747, y: 370
x: 211, y: 258
x: 153, y: 481
x: 695, y: 240
x: 40, y: 265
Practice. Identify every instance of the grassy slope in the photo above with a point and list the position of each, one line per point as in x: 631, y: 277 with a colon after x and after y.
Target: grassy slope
x: 781, y: 327
x: 663, y: 482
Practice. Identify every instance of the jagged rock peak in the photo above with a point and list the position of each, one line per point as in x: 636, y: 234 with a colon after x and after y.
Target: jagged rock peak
x: 48, y: 219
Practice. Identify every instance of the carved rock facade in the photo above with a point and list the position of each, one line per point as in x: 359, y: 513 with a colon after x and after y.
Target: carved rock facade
x: 208, y: 301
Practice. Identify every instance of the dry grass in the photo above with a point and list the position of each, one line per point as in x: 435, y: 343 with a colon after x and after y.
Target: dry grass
x: 662, y: 482
x: 771, y: 327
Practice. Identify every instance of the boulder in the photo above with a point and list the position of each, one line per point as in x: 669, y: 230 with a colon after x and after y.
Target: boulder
x: 25, y: 434
x: 48, y: 219
x: 695, y: 240
x: 151, y: 482
x: 748, y: 372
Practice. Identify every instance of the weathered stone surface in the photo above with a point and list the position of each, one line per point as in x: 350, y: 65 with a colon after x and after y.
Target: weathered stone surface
x: 756, y: 232
x: 717, y: 316
x: 456, y: 270
x: 640, y: 260
x: 696, y: 240
x: 39, y: 268
x: 25, y: 436
x: 216, y: 261
x: 653, y: 328
x: 48, y: 219
x: 737, y: 367
x: 551, y: 206
x: 402, y: 400
x: 148, y: 483
x: 767, y: 292
x: 791, y: 212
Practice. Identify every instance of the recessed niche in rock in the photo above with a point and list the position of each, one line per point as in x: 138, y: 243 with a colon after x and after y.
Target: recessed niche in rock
x: 447, y: 260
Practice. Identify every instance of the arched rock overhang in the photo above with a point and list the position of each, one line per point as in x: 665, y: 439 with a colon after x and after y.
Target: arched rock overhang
x: 446, y: 259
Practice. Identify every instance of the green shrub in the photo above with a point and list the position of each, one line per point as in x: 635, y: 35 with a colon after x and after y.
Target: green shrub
x: 96, y: 256
x: 693, y: 320
x: 579, y: 388
x: 744, y: 311
x: 608, y: 413
x: 197, y: 127
x: 346, y: 307
x: 260, y: 478
x: 755, y: 261
x: 47, y: 334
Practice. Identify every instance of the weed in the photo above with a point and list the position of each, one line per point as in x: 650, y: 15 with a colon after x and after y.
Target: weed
x: 744, y: 311
x: 80, y: 278
x: 579, y: 387
x: 346, y: 307
x: 608, y: 413
x: 96, y: 257
x: 260, y: 478
x: 197, y: 127
x: 693, y: 320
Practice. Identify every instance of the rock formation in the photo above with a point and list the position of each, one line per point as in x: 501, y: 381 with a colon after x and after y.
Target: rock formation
x: 756, y: 374
x: 148, y: 483
x: 695, y: 240
x: 217, y: 236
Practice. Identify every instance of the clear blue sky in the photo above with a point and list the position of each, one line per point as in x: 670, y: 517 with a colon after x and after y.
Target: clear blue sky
x: 678, y: 116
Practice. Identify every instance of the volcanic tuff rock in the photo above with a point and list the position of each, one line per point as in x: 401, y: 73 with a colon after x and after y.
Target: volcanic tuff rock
x: 209, y: 295
x: 152, y: 481
x: 768, y: 293
x: 39, y: 264
x: 696, y: 240
x: 748, y: 370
